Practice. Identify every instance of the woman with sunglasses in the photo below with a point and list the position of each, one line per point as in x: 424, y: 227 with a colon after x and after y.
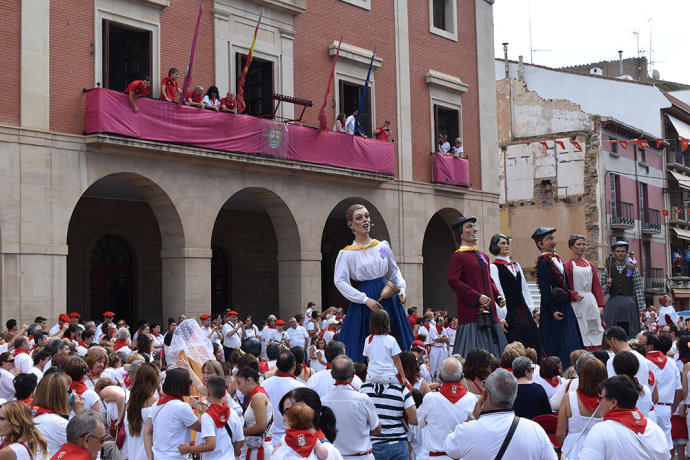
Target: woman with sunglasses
x: 6, y: 376
x: 22, y: 441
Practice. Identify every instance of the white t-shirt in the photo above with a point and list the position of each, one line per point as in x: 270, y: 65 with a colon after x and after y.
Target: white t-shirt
x: 54, y: 330
x: 297, y: 336
x: 357, y: 417
x: 224, y: 447
x: 6, y: 384
x: 54, y: 431
x: 276, y: 387
x: 23, y: 362
x: 135, y: 444
x: 36, y: 371
x: 642, y: 374
x: 667, y: 380
x: 435, y: 427
x: 207, y: 100
x: 21, y: 452
x: 323, y: 382
x: 380, y: 350
x: 234, y: 341
x: 171, y: 422
x: 612, y: 440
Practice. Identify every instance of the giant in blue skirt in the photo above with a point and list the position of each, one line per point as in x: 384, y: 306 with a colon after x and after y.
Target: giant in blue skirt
x: 356, y: 325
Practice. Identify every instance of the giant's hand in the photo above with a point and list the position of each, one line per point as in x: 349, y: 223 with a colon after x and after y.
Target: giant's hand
x: 373, y: 305
x: 403, y: 296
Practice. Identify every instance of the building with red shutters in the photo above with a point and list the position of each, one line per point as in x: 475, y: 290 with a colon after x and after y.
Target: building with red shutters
x: 182, y: 210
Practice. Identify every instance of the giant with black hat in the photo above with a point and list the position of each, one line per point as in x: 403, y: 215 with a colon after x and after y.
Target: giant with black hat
x: 541, y: 232
x: 622, y: 281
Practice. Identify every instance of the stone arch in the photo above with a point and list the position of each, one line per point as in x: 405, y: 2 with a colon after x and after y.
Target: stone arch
x: 336, y: 236
x: 437, y: 247
x: 260, y: 235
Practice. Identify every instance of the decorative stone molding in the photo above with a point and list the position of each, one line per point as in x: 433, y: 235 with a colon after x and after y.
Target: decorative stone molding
x: 220, y: 14
x: 292, y: 7
x: 157, y: 3
x: 444, y: 81
x: 365, y: 4
x: 354, y: 54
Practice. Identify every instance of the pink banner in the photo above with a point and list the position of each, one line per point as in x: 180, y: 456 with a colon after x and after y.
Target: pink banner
x: 449, y: 169
x: 110, y: 112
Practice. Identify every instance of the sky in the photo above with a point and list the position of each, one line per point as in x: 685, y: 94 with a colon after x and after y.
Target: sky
x: 585, y: 31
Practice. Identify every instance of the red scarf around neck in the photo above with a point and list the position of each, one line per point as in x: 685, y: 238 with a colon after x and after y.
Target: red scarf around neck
x: 79, y: 387
x: 301, y: 441
x: 119, y: 344
x: 329, y: 366
x: 371, y: 336
x: 166, y: 398
x: 590, y: 402
x: 220, y: 413
x: 285, y: 374
x: 657, y: 358
x: 554, y: 381
x: 439, y: 329
x: 19, y: 351
x: 452, y: 391
x: 502, y: 262
x: 27, y: 401
x: 345, y: 384
x: 630, y: 418
x: 257, y: 389
x: 38, y: 410
x: 82, y: 344
x: 72, y: 451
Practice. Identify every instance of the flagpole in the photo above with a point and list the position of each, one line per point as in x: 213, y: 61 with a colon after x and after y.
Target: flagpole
x: 323, y: 120
x: 240, y: 91
x: 358, y: 127
x: 192, y: 53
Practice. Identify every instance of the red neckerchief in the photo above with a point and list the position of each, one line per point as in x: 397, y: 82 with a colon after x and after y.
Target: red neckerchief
x: 439, y: 329
x: 329, y: 366
x: 590, y: 402
x: 452, y: 391
x: 371, y: 336
x: 27, y: 401
x: 128, y: 383
x: 38, y: 410
x: 319, y: 435
x: 257, y: 389
x: 271, y: 327
x: 166, y: 398
x: 304, y: 369
x: 301, y: 441
x: 509, y: 369
x: 345, y: 384
x: 630, y: 418
x: 454, y: 328
x: 504, y: 262
x: 72, y: 452
x: 684, y: 360
x: 220, y: 413
x: 119, y: 344
x: 19, y: 351
x: 657, y: 358
x: 5, y: 442
x: 554, y: 381
x: 651, y: 380
x: 155, y: 335
x: 263, y: 367
x: 82, y: 344
x: 285, y: 374
x: 79, y: 387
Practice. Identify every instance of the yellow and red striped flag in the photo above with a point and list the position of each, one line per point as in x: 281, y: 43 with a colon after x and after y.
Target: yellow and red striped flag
x: 240, y: 91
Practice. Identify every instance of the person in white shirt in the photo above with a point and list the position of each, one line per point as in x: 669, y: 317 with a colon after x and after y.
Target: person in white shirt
x: 277, y: 386
x: 297, y: 335
x: 330, y: 330
x: 74, y: 320
x: 7, y: 376
x: 667, y: 314
x: 213, y: 333
x: 438, y: 344
x: 323, y: 382
x: 266, y: 333
x: 86, y: 339
x: 307, y: 313
x: 232, y: 339
x: 50, y: 409
x: 482, y: 438
x: 625, y: 363
x: 278, y: 335
x: 350, y: 123
x: 451, y: 330
x: 618, y: 341
x: 625, y: 433
x: 22, y: 359
x: 41, y: 358
x: 249, y: 330
x: 453, y: 401
x: 357, y: 418
x: 212, y: 99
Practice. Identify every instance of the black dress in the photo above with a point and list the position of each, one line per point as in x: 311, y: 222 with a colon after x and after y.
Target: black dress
x: 531, y: 401
x: 521, y: 325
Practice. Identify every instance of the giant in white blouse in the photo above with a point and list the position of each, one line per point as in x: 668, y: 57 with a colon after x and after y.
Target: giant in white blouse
x: 503, y: 311
x: 364, y: 265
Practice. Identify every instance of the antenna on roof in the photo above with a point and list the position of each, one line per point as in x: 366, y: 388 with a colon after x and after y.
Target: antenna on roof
x: 529, y: 22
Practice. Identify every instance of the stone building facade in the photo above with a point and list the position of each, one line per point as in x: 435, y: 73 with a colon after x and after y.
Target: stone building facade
x: 152, y: 229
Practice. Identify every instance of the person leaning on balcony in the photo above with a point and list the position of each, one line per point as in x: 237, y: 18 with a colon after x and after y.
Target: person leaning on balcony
x: 169, y: 87
x: 136, y: 89
x: 194, y: 98
x: 339, y: 125
x: 383, y: 133
x: 228, y: 103
x: 351, y: 122
x: 211, y: 99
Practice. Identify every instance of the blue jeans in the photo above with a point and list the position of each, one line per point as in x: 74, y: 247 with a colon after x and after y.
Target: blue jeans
x: 397, y: 450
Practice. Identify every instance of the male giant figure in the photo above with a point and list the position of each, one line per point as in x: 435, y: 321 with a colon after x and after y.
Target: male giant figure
x: 626, y: 295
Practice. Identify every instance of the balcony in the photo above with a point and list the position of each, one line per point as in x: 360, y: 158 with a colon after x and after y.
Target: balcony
x: 654, y: 281
x: 449, y: 169
x: 676, y: 157
x: 238, y: 137
x: 679, y: 215
x: 622, y: 215
x: 651, y: 221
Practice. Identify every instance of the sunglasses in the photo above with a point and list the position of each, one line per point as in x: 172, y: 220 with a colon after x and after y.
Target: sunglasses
x: 600, y: 397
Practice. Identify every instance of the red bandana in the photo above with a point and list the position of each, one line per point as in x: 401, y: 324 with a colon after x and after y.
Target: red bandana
x: 165, y: 398
x: 371, y: 337
x: 631, y: 418
x: 257, y: 389
x: 301, y: 441
x: 19, y: 352
x: 329, y: 366
x: 439, y: 329
x: 319, y: 435
x: 554, y: 382
x: 72, y: 452
x: 285, y: 374
x: 452, y: 391
x: 119, y: 344
x: 263, y: 367
x: 220, y: 413
x: 38, y: 410
x: 79, y: 387
x: 345, y: 384
x: 590, y: 402
x: 651, y: 380
x: 657, y: 358
x: 155, y: 335
x: 82, y: 344
x: 502, y: 262
x: 128, y: 383
x: 27, y: 401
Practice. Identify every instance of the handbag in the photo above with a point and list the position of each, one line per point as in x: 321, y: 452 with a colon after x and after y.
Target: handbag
x: 559, y: 295
x: 120, y: 438
x: 484, y: 320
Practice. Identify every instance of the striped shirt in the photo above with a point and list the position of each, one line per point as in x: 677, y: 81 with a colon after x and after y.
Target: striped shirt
x: 390, y: 402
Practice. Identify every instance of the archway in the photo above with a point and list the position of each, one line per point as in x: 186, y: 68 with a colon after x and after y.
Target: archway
x: 336, y: 236
x: 437, y: 247
x: 117, y: 231
x: 259, y: 235
x: 221, y: 281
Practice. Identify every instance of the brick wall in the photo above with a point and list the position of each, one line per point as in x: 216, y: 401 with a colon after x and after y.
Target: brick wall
x: 10, y: 25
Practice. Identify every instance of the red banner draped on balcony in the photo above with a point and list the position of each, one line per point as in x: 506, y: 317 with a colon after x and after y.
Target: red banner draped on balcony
x: 449, y: 169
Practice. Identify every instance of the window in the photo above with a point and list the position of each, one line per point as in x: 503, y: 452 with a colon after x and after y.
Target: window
x: 445, y: 106
x: 366, y: 4
x: 126, y: 54
x: 350, y: 94
x: 443, y: 18
x: 613, y: 145
x: 641, y: 154
x: 644, y: 199
x: 447, y: 121
x: 258, y: 85
x: 615, y: 187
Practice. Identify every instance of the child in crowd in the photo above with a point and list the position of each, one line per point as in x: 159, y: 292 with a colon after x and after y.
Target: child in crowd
x: 300, y: 439
x: 382, y: 351
x: 221, y: 427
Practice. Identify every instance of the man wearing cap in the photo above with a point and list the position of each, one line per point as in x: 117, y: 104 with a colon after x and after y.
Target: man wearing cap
x: 231, y: 336
x: 213, y: 334
x: 622, y: 282
x: 558, y: 326
x: 74, y: 319
x: 62, y: 324
x: 278, y: 335
x: 107, y: 319
x: 667, y: 314
x: 297, y: 334
x: 267, y: 332
x: 330, y: 331
x: 477, y: 295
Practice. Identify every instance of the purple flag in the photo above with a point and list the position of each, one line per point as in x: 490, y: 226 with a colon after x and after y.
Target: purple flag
x: 188, y: 77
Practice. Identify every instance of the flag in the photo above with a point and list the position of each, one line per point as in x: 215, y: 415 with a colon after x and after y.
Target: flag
x: 561, y: 144
x: 635, y: 141
x: 623, y: 144
x: 240, y: 91
x: 665, y: 212
x: 323, y: 121
x: 527, y: 143
x: 544, y: 143
x: 658, y: 143
x: 576, y: 144
x: 192, y: 53
x: 684, y: 144
x: 643, y: 144
x: 358, y: 127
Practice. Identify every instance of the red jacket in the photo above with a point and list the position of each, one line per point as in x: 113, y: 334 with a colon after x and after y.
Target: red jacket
x: 470, y: 279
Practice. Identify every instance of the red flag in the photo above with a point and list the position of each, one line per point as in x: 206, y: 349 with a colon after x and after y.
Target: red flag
x: 665, y: 212
x: 544, y: 143
x: 527, y: 143
x: 684, y: 144
x: 240, y: 91
x: 561, y: 144
x: 658, y: 143
x: 323, y: 121
x: 635, y: 141
x: 678, y: 211
x: 576, y: 145
x: 192, y: 53
x: 623, y: 144
x: 643, y: 144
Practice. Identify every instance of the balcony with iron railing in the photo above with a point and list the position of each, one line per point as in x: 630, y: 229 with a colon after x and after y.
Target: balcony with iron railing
x: 679, y: 215
x: 651, y: 221
x: 676, y: 157
x: 654, y: 281
x: 622, y: 215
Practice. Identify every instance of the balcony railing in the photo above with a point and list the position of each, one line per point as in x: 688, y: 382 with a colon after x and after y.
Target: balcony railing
x: 622, y: 215
x: 450, y: 169
x: 674, y: 155
x: 654, y: 281
x: 679, y: 214
x: 110, y: 112
x: 651, y: 220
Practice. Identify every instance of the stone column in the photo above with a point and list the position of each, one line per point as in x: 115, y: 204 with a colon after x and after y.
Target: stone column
x: 402, y: 79
x: 186, y: 274
x: 35, y: 64
x: 412, y: 269
x: 299, y: 281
